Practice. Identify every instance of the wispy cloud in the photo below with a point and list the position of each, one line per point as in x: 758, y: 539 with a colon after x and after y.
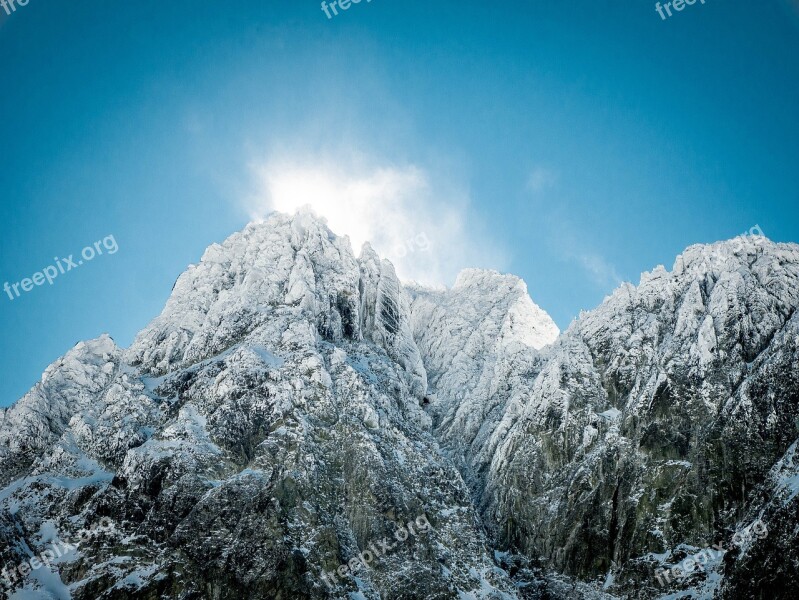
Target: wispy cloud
x: 541, y: 179
x: 568, y: 239
x: 600, y: 270
x: 410, y: 216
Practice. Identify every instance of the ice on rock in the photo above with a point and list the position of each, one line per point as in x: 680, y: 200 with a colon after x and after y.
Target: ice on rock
x: 693, y: 367
x: 294, y: 402
x: 480, y: 345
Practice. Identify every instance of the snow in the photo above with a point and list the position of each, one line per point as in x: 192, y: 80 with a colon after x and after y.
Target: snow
x: 612, y: 414
x: 284, y: 366
x: 138, y: 578
x: 476, y: 339
x: 269, y: 358
x: 786, y: 474
x: 679, y: 463
x: 608, y: 581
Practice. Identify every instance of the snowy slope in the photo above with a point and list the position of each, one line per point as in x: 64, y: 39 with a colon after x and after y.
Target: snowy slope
x: 656, y: 418
x: 295, y: 403
x: 267, y: 427
x: 480, y: 341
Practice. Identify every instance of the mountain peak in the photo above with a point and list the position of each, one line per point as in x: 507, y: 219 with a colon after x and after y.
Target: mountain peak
x: 296, y: 398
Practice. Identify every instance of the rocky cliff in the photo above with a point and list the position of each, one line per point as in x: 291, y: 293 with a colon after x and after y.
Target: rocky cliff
x: 297, y: 423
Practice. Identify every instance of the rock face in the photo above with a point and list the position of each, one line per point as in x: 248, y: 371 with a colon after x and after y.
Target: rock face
x: 480, y: 342
x: 651, y: 431
x: 295, y: 407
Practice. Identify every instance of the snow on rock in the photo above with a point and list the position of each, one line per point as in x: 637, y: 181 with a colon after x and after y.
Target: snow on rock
x: 690, y: 381
x: 264, y: 429
x: 480, y: 344
x: 294, y: 404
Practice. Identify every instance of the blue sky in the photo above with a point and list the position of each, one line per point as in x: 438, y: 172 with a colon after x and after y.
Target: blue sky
x: 575, y: 144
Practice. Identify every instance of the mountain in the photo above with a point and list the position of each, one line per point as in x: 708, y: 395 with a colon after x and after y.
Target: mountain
x: 662, y: 423
x: 297, y: 423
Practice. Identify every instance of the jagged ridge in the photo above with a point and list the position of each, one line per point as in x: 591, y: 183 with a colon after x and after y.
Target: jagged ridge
x: 292, y: 403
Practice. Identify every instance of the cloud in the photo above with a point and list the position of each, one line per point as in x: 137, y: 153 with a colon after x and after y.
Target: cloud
x: 416, y: 220
x: 572, y: 243
x: 600, y: 270
x: 541, y: 179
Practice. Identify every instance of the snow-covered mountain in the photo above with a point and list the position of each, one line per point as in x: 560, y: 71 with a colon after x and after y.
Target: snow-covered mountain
x: 295, y: 407
x: 651, y: 430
